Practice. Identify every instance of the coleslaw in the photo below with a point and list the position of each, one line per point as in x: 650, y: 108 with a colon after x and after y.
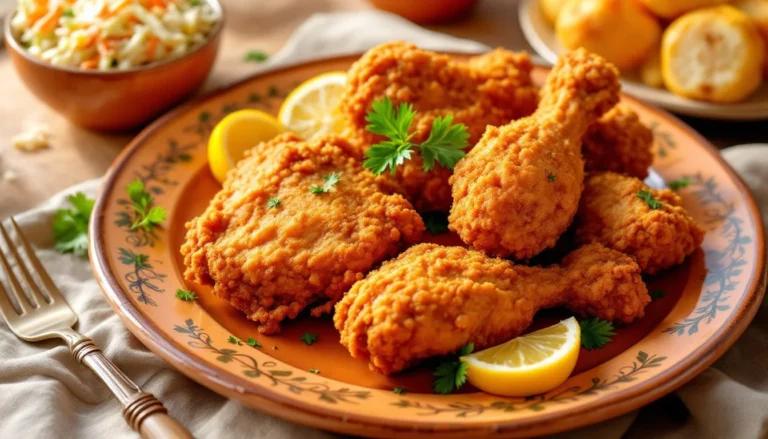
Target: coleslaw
x: 111, y: 34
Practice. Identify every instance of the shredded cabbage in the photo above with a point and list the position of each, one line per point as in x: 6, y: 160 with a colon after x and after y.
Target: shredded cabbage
x: 111, y: 34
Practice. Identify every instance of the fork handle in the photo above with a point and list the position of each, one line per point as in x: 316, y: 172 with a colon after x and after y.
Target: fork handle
x: 142, y: 411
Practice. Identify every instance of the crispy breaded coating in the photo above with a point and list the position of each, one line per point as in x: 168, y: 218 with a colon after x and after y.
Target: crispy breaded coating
x: 490, y: 89
x: 517, y: 191
x: 272, y: 262
x: 618, y: 142
x: 432, y: 300
x: 612, y: 213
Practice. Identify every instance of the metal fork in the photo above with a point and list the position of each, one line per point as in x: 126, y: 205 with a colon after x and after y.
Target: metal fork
x: 41, y: 317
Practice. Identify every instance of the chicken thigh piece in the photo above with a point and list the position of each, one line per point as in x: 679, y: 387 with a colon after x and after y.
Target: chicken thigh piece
x: 296, y: 224
x: 647, y: 224
x: 518, y: 189
x: 618, y: 142
x: 432, y: 300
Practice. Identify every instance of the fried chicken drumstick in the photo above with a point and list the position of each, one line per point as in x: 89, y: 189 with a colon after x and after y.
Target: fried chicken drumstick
x: 518, y: 189
x: 273, y: 260
x: 490, y: 89
x: 432, y: 300
x: 613, y: 213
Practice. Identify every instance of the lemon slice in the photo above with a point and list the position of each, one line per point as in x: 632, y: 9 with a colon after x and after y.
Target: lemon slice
x: 237, y: 133
x: 313, y: 108
x: 529, y: 364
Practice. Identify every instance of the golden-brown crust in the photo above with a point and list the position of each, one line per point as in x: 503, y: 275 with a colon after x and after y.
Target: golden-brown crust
x: 271, y: 263
x: 618, y: 142
x: 517, y: 191
x: 611, y: 213
x: 490, y: 89
x: 431, y: 300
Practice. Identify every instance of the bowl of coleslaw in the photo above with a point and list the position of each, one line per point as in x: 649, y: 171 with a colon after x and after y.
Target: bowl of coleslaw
x: 113, y: 65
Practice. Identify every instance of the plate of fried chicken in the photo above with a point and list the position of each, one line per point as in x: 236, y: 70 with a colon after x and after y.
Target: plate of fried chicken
x: 333, y: 305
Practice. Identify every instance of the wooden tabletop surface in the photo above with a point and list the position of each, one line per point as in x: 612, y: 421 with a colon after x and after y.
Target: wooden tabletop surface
x: 77, y: 155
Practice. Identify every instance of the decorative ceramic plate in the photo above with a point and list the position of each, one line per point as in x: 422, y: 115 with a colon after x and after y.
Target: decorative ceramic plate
x: 541, y: 36
x: 709, y: 300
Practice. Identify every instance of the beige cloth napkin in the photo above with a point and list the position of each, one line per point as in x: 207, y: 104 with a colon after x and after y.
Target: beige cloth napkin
x: 44, y: 393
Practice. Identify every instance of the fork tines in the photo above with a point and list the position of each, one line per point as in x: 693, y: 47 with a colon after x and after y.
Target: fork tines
x: 35, y: 298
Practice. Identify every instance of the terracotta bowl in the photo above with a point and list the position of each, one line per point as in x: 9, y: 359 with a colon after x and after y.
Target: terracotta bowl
x: 427, y: 11
x: 116, y: 100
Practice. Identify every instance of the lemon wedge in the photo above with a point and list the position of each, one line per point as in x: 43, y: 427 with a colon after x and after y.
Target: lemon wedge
x: 529, y: 364
x: 237, y: 133
x: 313, y: 107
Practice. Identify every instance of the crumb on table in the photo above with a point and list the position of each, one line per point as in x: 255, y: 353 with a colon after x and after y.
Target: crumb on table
x: 33, y: 139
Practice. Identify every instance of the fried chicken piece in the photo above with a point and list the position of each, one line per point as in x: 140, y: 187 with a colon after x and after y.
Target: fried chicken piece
x: 618, y: 142
x: 272, y: 262
x: 517, y: 191
x: 432, y: 300
x: 612, y: 213
x: 490, y: 89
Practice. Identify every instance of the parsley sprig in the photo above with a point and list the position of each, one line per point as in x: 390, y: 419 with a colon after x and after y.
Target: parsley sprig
x: 451, y: 373
x: 70, y: 226
x: 329, y: 182
x: 445, y: 144
x: 649, y: 199
x: 595, y: 333
x: 147, y: 216
x: 273, y: 203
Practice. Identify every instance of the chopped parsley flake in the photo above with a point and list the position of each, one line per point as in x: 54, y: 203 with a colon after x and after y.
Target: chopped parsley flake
x: 330, y: 181
x: 647, y: 196
x: 257, y: 56
x: 435, y: 222
x: 234, y: 340
x: 185, y: 295
x: 309, y: 338
x: 657, y: 294
x: 679, y: 183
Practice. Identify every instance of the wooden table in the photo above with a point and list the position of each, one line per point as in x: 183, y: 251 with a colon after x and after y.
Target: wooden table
x: 77, y: 154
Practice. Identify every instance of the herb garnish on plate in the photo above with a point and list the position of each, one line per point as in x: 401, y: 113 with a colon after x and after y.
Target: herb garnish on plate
x: 445, y: 144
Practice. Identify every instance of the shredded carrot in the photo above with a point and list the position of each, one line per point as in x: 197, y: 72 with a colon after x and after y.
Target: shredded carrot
x: 152, y: 47
x: 90, y: 64
x: 37, y: 12
x: 103, y: 45
x: 158, y: 4
x: 48, y: 22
